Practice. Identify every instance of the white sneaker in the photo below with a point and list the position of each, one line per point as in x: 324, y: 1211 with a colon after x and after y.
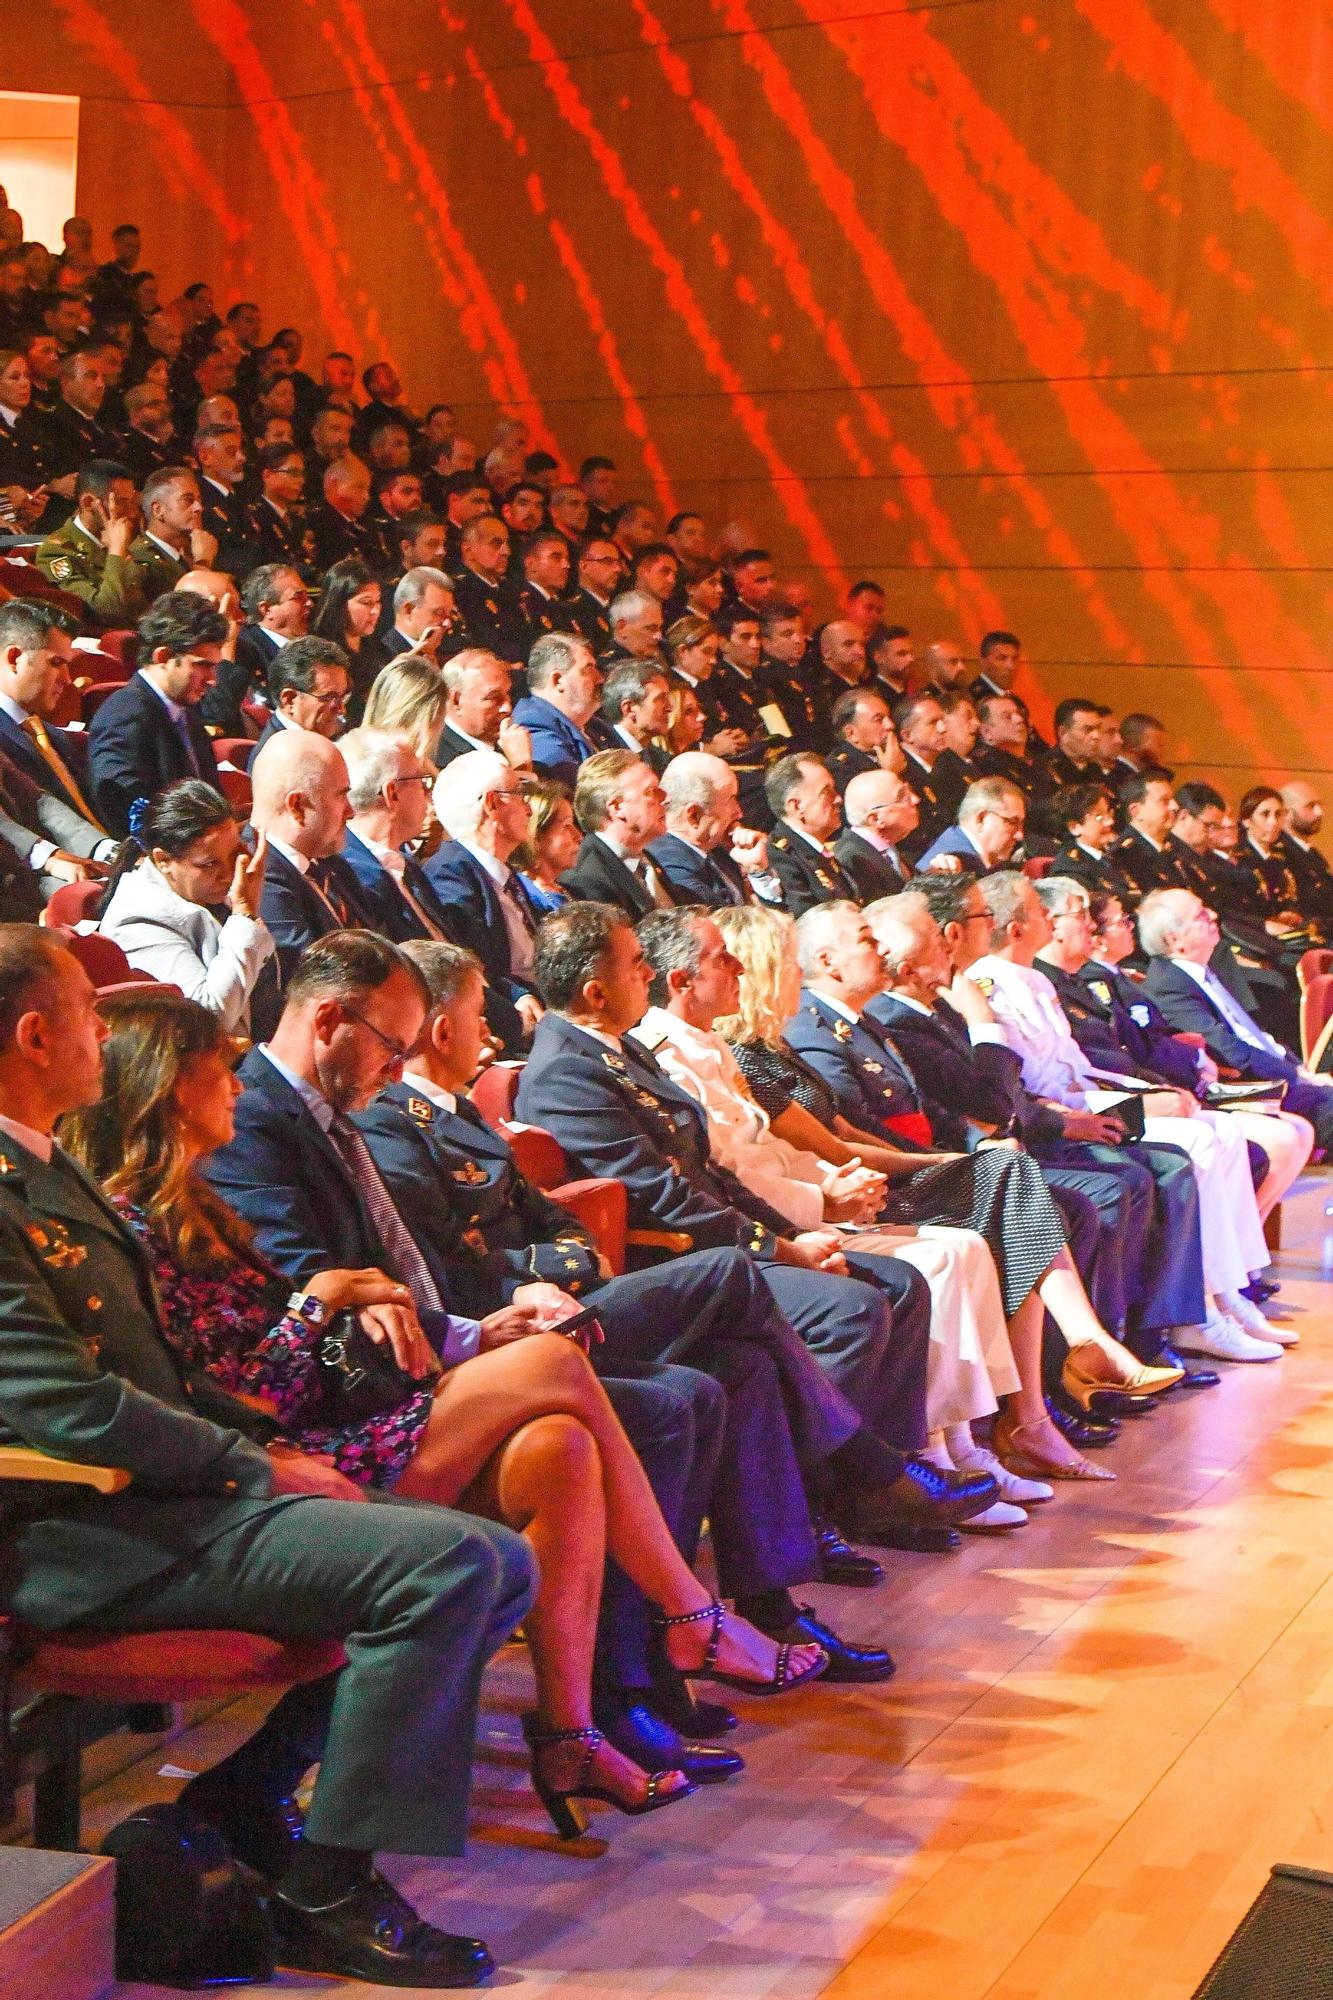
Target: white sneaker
x: 998, y: 1518
x: 1223, y: 1340
x: 1021, y: 1492
x: 1247, y: 1314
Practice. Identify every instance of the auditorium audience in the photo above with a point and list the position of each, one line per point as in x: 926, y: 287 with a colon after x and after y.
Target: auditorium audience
x: 448, y: 851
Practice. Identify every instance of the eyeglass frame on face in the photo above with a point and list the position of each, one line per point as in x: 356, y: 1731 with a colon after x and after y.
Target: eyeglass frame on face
x: 993, y: 812
x: 386, y: 1041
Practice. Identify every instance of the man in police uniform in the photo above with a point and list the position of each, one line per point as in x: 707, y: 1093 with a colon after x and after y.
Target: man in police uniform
x: 803, y: 799
x: 214, y: 1530
x: 90, y: 555
x: 618, y: 1116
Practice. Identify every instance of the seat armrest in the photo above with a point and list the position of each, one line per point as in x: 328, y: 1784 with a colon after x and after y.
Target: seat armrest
x: 23, y: 1461
x: 678, y: 1241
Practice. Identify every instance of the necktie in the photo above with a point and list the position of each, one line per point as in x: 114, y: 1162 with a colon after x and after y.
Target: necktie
x: 325, y: 879
x: 643, y: 872
x: 724, y: 885
x: 35, y: 730
x: 409, y: 884
x: 512, y: 889
x: 182, y: 727
x: 405, y: 1260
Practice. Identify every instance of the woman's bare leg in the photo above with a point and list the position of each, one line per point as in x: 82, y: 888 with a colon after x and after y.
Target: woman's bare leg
x: 480, y: 1404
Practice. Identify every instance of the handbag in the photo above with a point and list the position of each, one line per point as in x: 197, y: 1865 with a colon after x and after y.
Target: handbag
x: 187, y: 1913
x: 358, y: 1378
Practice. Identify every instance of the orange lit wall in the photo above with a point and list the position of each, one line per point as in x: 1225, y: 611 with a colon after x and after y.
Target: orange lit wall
x: 1018, y: 306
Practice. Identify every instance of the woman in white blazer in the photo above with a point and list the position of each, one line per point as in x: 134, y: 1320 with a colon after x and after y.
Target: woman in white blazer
x: 162, y: 911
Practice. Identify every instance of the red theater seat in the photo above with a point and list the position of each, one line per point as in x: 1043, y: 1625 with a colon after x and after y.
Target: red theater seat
x: 74, y: 903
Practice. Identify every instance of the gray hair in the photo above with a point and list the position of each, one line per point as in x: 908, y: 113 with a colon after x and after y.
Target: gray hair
x: 693, y: 779
x: 814, y: 930
x: 446, y: 968
x: 1005, y: 892
x: 1161, y: 915
x: 895, y: 921
x: 672, y: 941
x: 1054, y: 889
x: 628, y: 681
x: 986, y: 795
x: 454, y: 672
x: 374, y: 758
x: 631, y: 604
x: 461, y: 788
x: 414, y: 583
x: 553, y: 653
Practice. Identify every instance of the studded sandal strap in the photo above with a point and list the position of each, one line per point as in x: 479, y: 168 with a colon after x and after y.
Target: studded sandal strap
x: 783, y: 1673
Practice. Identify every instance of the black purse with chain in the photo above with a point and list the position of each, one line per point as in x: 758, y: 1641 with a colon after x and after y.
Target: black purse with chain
x: 358, y: 1378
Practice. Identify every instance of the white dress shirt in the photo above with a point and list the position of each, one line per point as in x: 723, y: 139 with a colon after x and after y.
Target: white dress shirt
x: 520, y: 937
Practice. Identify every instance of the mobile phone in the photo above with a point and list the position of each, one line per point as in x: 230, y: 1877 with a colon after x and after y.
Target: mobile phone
x: 582, y: 1328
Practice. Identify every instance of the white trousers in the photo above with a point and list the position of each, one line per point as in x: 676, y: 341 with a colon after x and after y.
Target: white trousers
x: 1233, y: 1235
x: 1288, y: 1142
x: 970, y: 1364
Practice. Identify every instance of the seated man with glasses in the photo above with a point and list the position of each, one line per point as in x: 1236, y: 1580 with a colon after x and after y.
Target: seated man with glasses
x: 991, y: 820
x: 308, y: 685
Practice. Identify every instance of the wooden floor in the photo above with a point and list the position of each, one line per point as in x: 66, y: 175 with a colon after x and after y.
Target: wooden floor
x: 1103, y: 1732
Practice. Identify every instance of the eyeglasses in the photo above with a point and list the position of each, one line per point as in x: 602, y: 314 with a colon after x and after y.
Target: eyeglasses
x: 1010, y: 819
x: 975, y: 917
x: 398, y: 1053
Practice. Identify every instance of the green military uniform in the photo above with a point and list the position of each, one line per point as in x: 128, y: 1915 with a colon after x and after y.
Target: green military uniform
x: 422, y: 1594
x: 112, y: 587
x: 160, y: 569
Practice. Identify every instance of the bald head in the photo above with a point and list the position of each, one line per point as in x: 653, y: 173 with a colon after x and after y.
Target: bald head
x: 215, y: 585
x: 1305, y: 808
x: 945, y: 666
x: 881, y: 802
x: 843, y: 650
x: 300, y: 790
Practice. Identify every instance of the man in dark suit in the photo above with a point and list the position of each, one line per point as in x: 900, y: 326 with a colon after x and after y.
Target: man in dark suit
x: 808, y: 812
x: 480, y: 804
x: 486, y: 605
x: 563, y: 689
x: 339, y: 524
x: 919, y: 721
x: 300, y: 802
x: 864, y: 737
x: 620, y: 803
x: 1078, y: 729
x: 1314, y: 877
x: 389, y: 799
x: 308, y: 686
x: 479, y: 711
x: 149, y: 732
x: 276, y: 604
x: 881, y: 810
x: 421, y: 611
x: 600, y: 569
x: 697, y: 855
x: 456, y: 1176
x: 616, y: 1115
x: 1179, y: 935
x: 991, y: 822
x: 42, y: 772
x: 1144, y: 855
x: 215, y: 1531
x: 302, y: 1172
x: 636, y: 708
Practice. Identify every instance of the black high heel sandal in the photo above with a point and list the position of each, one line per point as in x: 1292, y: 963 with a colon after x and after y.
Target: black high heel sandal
x: 782, y: 1682
x: 568, y: 1821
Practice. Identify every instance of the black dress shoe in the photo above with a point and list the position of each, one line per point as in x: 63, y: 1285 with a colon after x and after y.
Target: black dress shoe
x: 673, y: 1702
x: 263, y: 1833
x: 846, y: 1662
x: 1194, y: 1378
x: 842, y: 1564
x: 1084, y: 1433
x: 654, y: 1745
x: 1260, y: 1289
x: 923, y: 1496
x: 372, y: 1933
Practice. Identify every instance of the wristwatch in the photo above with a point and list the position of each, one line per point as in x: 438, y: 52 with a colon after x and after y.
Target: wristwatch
x: 306, y: 1307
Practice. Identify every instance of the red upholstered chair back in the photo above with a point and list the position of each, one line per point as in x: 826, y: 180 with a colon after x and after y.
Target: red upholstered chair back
x: 1311, y: 964
x: 1316, y: 1013
x: 494, y: 1092
x: 74, y: 903
x: 1037, y: 866
x: 536, y: 1153
x: 236, y: 788
x: 236, y: 750
x: 93, y: 697
x: 104, y: 961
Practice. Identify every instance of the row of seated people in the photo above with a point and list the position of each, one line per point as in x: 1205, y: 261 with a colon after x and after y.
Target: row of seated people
x: 865, y: 1245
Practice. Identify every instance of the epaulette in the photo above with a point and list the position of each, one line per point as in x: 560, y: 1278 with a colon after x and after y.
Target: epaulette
x: 421, y: 1109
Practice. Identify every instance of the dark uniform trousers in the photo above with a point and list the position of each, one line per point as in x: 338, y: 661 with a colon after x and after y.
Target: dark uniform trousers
x: 420, y: 1596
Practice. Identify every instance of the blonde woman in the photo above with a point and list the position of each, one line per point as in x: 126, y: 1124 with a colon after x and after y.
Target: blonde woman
x: 408, y: 696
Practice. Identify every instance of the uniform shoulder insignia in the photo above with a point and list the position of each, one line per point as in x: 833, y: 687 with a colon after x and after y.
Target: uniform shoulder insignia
x: 614, y: 1062
x: 61, y: 566
x: 984, y: 981
x: 1101, y: 989
x: 780, y: 841
x: 875, y: 1068
x: 6, y: 1166
x: 1140, y: 1015
x: 470, y: 1174
x: 421, y: 1109
x: 843, y: 1030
